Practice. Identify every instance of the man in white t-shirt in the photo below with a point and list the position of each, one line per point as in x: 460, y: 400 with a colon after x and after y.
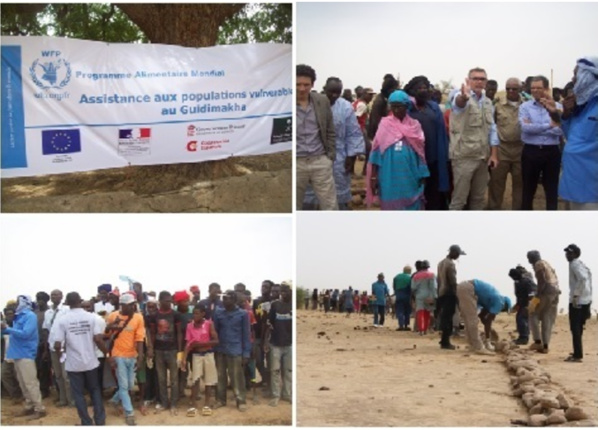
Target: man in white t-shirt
x: 52, y: 315
x: 103, y: 306
x: 80, y: 334
x: 88, y: 307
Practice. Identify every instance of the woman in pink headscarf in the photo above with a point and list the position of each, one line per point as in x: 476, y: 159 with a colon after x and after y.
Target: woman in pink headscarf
x: 397, y: 166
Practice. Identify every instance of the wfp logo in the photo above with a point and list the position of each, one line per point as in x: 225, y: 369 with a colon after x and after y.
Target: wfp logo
x: 50, y: 71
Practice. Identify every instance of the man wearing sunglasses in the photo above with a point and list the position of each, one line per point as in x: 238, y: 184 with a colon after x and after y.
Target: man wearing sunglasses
x: 506, y: 116
x: 473, y: 142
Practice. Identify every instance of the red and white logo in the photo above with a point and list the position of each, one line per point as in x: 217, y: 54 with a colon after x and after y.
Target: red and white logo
x: 191, y: 130
x: 192, y: 146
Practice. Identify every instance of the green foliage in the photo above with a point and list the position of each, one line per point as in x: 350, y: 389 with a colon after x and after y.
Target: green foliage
x: 299, y: 296
x: 259, y: 23
x: 94, y: 21
x: 255, y: 23
x: 22, y: 20
x: 91, y: 21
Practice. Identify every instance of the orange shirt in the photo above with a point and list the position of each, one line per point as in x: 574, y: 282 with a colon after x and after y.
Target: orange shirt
x: 125, y: 345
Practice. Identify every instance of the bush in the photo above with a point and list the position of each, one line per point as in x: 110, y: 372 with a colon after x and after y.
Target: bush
x: 300, y: 295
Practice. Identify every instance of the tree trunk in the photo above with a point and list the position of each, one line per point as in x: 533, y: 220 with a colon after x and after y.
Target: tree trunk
x: 191, y: 25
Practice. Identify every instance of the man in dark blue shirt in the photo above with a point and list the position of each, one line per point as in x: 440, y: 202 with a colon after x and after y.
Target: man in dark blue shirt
x: 213, y: 301
x: 233, y: 351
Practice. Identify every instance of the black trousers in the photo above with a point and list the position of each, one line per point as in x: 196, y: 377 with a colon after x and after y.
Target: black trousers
x: 448, y: 305
x: 544, y: 160
x: 435, y: 200
x: 44, y: 371
x: 577, y: 320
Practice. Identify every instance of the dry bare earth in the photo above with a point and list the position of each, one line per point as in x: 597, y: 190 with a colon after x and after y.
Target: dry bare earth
x: 256, y: 415
x: 239, y: 184
x: 358, y: 193
x: 378, y: 377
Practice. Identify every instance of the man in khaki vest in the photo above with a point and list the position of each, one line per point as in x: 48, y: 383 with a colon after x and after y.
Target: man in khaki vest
x: 473, y: 142
x: 543, y: 315
x: 506, y: 116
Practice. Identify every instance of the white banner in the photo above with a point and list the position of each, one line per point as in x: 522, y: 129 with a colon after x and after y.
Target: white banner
x: 72, y: 105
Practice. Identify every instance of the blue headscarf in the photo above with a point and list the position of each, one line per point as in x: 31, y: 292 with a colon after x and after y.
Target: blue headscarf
x: 586, y: 80
x: 399, y: 96
x: 23, y: 303
x: 105, y: 287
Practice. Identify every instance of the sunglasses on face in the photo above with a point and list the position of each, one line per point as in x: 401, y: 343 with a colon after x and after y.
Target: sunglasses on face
x: 477, y: 78
x: 512, y: 89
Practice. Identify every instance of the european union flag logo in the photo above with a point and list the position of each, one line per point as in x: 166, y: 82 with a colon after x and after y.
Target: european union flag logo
x: 61, y: 141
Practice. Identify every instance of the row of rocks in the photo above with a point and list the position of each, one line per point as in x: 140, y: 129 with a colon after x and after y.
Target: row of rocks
x: 546, y: 403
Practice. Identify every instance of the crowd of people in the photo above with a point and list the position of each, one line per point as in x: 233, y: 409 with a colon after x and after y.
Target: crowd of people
x: 421, y: 153
x: 440, y: 302
x: 164, y: 343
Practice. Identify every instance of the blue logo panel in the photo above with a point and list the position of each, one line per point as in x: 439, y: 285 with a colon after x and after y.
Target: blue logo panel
x: 13, y: 118
x: 61, y: 141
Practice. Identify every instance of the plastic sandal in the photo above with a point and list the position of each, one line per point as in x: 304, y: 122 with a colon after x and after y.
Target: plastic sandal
x: 206, y: 411
x: 192, y: 412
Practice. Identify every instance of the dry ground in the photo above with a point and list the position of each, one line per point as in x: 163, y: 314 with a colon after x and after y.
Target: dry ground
x: 256, y: 415
x: 242, y: 184
x: 378, y: 377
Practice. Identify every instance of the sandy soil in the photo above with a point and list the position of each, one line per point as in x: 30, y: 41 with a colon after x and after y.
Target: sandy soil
x: 241, y: 184
x: 355, y: 375
x: 358, y: 193
x: 256, y: 415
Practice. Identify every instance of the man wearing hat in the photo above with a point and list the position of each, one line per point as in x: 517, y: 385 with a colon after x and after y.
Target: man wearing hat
x: 127, y: 330
x: 22, y: 347
x: 580, y: 299
x: 525, y: 288
x: 380, y: 291
x: 447, y: 294
x: 544, y: 313
x: 476, y: 294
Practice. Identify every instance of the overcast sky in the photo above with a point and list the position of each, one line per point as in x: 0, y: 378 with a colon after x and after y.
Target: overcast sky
x: 338, y: 250
x: 171, y: 252
x: 361, y: 42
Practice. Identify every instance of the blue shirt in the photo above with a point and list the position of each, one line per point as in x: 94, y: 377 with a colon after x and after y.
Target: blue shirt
x: 380, y: 290
x: 539, y: 131
x: 488, y: 297
x: 210, y: 305
x: 233, y: 332
x: 492, y: 135
x: 24, y: 336
x: 579, y: 181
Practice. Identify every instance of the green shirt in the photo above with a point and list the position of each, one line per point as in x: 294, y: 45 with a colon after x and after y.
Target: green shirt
x: 401, y: 282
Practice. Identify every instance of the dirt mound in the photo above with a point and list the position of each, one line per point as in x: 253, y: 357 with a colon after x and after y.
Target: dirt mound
x: 239, y: 184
